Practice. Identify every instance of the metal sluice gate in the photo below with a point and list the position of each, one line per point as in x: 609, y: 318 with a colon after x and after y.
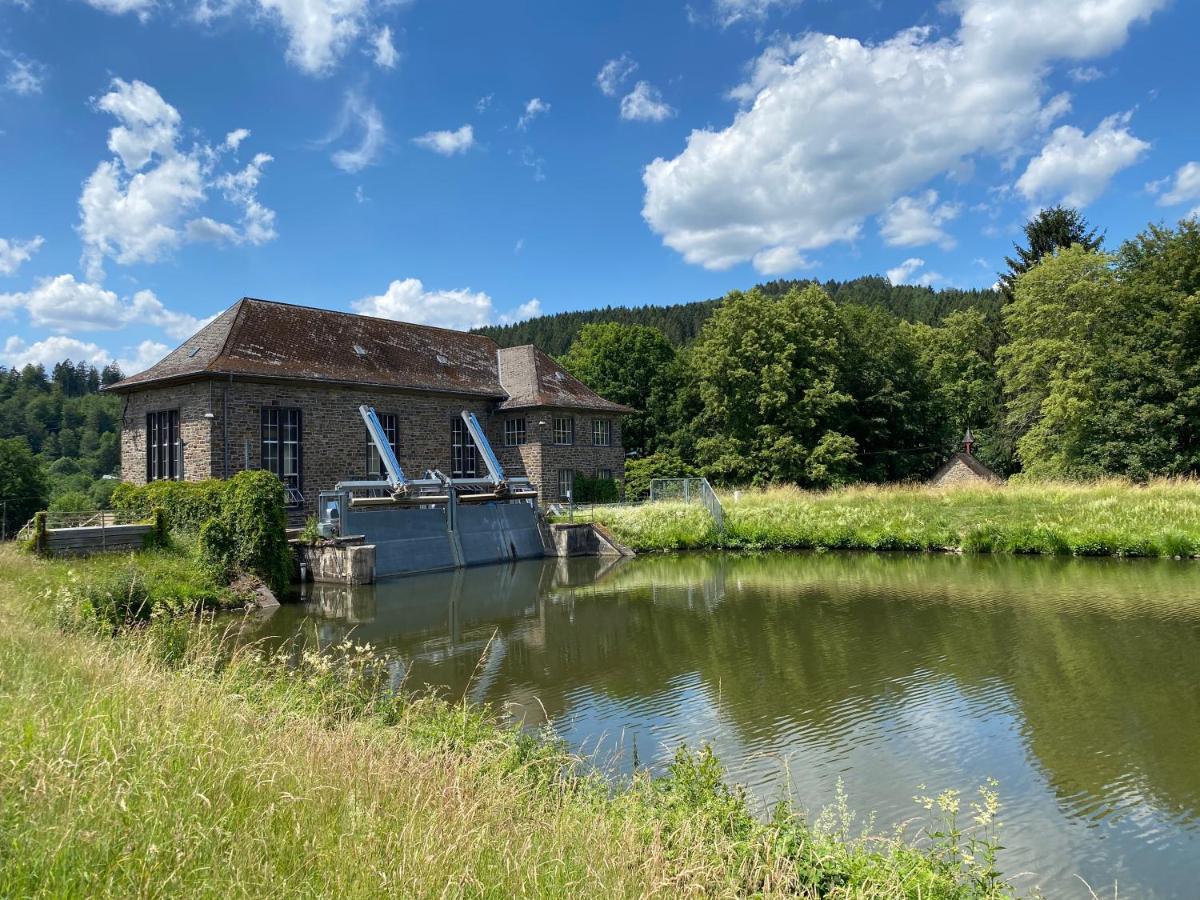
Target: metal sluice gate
x: 434, y: 522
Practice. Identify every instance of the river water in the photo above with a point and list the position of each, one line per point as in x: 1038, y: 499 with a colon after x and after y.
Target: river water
x: 1074, y: 683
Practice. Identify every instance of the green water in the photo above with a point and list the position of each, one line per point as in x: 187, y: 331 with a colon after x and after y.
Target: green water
x: 1074, y: 683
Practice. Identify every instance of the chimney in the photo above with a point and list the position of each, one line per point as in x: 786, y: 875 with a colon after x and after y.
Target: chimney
x: 968, y: 442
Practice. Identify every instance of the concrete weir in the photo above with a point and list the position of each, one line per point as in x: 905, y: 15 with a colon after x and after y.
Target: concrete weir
x: 388, y: 543
x: 405, y: 526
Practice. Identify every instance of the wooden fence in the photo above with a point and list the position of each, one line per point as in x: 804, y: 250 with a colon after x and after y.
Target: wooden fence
x: 83, y: 534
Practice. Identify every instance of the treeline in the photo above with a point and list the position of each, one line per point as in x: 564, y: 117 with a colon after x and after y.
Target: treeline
x: 59, y: 435
x: 1085, y: 364
x: 681, y: 323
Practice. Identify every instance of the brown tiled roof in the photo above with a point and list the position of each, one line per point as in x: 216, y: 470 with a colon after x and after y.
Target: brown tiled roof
x: 265, y: 339
x: 534, y: 379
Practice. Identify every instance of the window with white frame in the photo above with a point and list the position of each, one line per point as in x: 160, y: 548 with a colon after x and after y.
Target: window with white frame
x: 391, y: 430
x: 282, y: 450
x: 601, y: 432
x: 566, y: 483
x: 564, y: 430
x: 604, y: 474
x: 514, y: 432
x: 463, y: 460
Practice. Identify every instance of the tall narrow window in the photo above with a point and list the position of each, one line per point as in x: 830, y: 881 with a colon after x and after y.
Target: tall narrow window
x: 163, y: 447
x: 601, y: 432
x: 282, y: 448
x: 463, y: 461
x: 564, y: 430
x: 514, y: 432
x: 566, y: 483
x: 391, y: 430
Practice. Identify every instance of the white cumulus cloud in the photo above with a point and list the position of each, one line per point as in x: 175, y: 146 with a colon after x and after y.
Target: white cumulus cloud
x: 645, y: 104
x: 780, y: 260
x: 65, y: 305
x: 1075, y: 168
x: 17, y: 353
x: 133, y: 206
x: 15, y: 252
x: 614, y: 73
x: 462, y: 308
x: 24, y: 77
x: 909, y: 272
x: 384, y: 51
x: 913, y: 221
x: 140, y: 8
x: 832, y: 130
x: 730, y: 11
x: 361, y: 116
x: 448, y: 143
x: 319, y: 31
x: 534, y: 108
x: 1184, y: 188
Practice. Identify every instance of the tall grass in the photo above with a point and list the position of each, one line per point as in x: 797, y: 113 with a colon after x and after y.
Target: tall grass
x: 166, y: 760
x: 1106, y: 518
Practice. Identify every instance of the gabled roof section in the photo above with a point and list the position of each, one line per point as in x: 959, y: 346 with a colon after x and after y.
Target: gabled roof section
x: 972, y: 463
x: 532, y: 378
x: 267, y: 339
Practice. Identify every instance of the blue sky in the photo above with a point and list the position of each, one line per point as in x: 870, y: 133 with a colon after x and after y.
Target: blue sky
x: 459, y: 163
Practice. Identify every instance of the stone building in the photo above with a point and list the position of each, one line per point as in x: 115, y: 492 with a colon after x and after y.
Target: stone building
x: 274, y: 386
x: 964, y: 468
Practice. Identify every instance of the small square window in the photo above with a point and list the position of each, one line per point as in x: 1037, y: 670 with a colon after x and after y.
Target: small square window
x: 514, y: 432
x: 564, y: 431
x: 601, y: 432
x: 566, y: 483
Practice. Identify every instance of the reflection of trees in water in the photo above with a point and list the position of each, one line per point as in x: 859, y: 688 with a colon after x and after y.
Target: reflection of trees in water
x: 1099, y: 656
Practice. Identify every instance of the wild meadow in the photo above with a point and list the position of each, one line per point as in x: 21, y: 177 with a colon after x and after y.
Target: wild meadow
x: 166, y: 757
x: 1101, y: 518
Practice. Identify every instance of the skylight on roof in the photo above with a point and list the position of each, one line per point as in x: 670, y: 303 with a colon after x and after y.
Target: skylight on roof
x: 443, y: 360
x: 361, y: 351
x: 193, y: 351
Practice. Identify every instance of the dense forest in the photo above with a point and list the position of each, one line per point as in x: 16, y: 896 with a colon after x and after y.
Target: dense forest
x: 59, y: 437
x: 1084, y: 364
x: 680, y: 323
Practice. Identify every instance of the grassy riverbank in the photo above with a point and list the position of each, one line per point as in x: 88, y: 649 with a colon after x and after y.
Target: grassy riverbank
x: 1110, y: 518
x: 153, y: 762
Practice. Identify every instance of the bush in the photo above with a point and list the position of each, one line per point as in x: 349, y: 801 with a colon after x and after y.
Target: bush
x: 249, y: 531
x: 640, y: 472
x: 187, y: 504
x: 73, y: 502
x: 595, y: 490
x: 241, y: 523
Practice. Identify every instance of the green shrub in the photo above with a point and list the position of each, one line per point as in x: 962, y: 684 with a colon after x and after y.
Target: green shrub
x: 188, y: 504
x: 241, y: 523
x: 595, y: 490
x: 72, y: 502
x: 249, y: 531
x: 640, y: 472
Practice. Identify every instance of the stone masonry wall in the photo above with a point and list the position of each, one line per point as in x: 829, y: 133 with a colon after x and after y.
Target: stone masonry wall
x: 543, y: 459
x: 958, y: 472
x: 334, y: 438
x: 192, y: 401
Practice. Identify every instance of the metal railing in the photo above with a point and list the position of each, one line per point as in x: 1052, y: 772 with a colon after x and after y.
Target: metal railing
x: 689, y: 490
